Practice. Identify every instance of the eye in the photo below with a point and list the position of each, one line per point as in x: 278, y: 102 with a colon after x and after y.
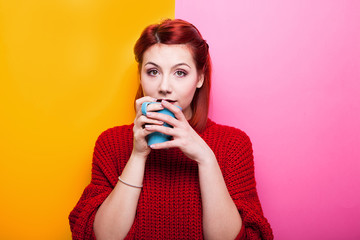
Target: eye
x: 180, y: 73
x: 152, y: 72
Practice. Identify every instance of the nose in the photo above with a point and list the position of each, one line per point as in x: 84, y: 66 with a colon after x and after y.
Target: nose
x: 165, y: 87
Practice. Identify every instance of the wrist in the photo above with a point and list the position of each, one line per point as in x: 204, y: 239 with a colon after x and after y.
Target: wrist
x: 138, y: 156
x: 207, y: 159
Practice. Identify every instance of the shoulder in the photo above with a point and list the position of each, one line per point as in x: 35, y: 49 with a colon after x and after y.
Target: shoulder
x: 123, y: 129
x: 110, y: 133
x: 233, y: 149
x: 114, y: 137
x: 227, y: 134
x: 113, y: 147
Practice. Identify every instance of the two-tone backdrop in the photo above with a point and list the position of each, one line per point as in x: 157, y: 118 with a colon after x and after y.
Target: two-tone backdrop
x: 285, y: 72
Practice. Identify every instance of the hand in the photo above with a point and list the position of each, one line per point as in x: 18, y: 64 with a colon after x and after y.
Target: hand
x: 140, y: 147
x: 184, y: 136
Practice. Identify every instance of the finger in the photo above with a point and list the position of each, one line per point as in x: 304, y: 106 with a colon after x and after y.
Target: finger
x: 163, y: 117
x: 145, y: 120
x: 154, y: 107
x: 140, y: 101
x: 174, y: 109
x: 140, y: 134
x: 164, y: 145
x: 141, y: 121
x: 162, y: 129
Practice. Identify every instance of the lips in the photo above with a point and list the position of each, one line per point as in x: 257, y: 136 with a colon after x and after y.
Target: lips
x: 168, y: 100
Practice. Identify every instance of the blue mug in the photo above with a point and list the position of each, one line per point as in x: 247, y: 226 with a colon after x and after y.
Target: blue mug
x: 157, y: 137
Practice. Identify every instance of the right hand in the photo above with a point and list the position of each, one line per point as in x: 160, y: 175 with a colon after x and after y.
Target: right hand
x: 140, y: 147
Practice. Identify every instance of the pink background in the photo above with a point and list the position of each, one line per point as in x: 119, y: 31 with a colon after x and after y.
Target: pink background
x: 288, y: 74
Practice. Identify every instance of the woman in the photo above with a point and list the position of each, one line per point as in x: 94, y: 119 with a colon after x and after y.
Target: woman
x: 198, y: 185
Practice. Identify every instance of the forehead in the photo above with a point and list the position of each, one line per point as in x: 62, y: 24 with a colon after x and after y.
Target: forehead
x: 168, y: 54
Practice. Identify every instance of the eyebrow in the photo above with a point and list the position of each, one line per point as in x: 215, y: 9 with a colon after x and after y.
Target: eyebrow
x: 177, y: 65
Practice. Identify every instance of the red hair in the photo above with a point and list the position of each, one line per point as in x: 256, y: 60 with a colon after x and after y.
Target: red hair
x: 178, y: 31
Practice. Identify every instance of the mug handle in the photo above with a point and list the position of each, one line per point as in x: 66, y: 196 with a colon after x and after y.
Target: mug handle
x: 144, y: 107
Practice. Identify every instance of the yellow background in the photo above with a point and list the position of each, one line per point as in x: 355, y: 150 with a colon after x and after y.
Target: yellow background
x: 67, y: 73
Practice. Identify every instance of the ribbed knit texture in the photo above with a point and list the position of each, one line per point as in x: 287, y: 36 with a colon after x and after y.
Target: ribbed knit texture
x: 170, y: 203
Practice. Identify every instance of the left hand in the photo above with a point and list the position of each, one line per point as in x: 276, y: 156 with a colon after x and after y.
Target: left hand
x: 184, y: 136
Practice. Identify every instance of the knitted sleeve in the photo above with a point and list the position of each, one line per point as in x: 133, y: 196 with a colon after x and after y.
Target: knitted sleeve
x: 82, y: 216
x: 240, y: 180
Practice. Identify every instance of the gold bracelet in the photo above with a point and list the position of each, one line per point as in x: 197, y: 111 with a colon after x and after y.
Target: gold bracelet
x: 129, y: 184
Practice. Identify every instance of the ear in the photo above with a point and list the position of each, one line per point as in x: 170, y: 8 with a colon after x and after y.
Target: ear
x: 200, y: 80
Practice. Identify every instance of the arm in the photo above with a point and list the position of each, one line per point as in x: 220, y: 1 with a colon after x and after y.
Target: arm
x: 221, y: 219
x: 102, y: 182
x: 96, y: 210
x: 240, y: 180
x: 116, y: 215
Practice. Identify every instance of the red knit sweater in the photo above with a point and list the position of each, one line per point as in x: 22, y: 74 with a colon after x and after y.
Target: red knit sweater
x: 170, y: 203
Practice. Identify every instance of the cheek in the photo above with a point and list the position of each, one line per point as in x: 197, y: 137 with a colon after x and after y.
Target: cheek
x: 146, y: 86
x: 147, y: 91
x: 188, y: 93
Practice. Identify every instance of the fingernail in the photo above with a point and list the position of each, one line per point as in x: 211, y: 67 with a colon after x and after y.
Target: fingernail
x: 154, y: 99
x: 148, y: 126
x: 151, y: 146
x: 149, y: 114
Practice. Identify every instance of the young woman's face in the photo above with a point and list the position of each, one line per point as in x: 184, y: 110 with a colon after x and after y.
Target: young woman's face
x: 169, y: 72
